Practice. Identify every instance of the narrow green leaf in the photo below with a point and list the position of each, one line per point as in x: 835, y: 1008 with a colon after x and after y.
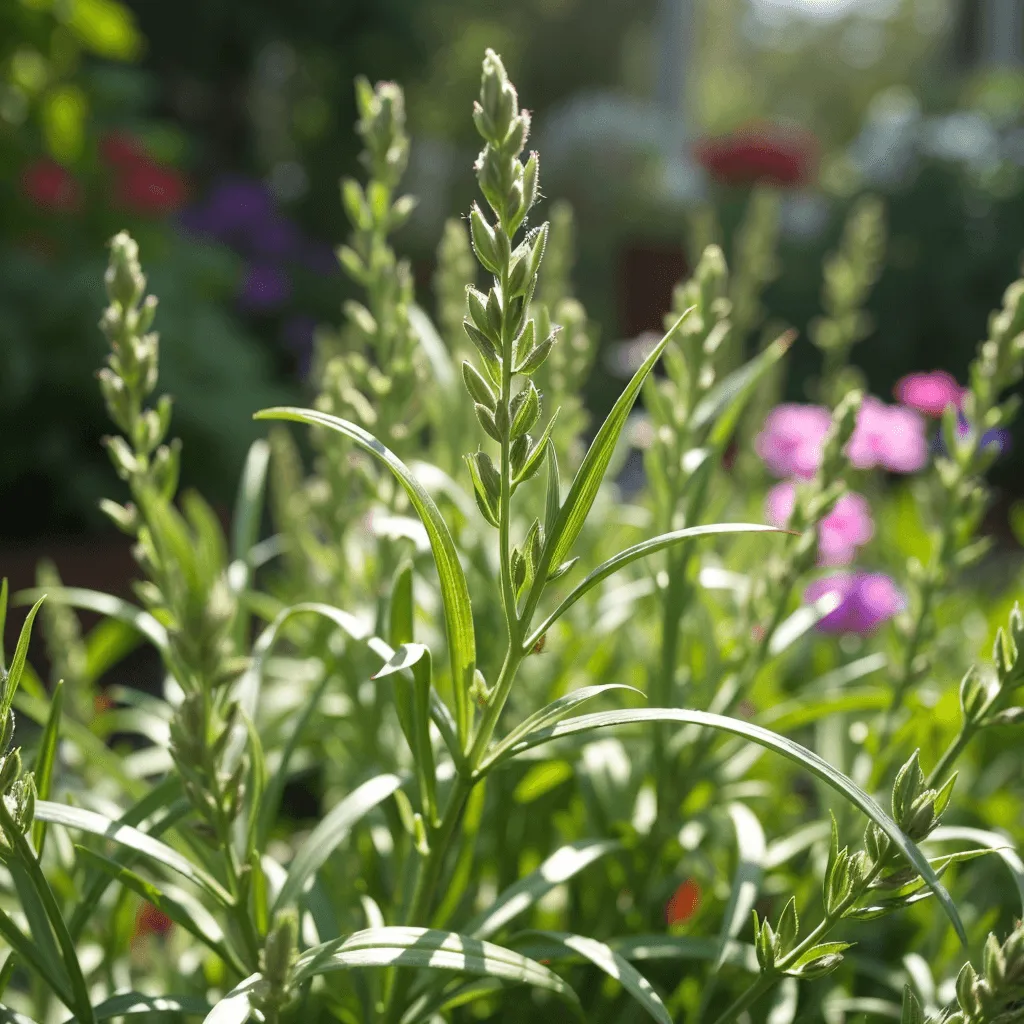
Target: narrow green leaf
x: 750, y: 844
x: 615, y: 966
x: 400, y: 612
x: 38, y: 921
x: 245, y: 525
x: 780, y: 744
x: 249, y: 684
x: 18, y: 661
x: 725, y: 402
x: 631, y: 554
x: 105, y: 604
x: 427, y: 947
x: 583, y: 492
x: 45, y: 757
x: 100, y: 825
x: 131, y: 1004
x: 194, y: 919
x: 548, y: 715
x: 236, y: 1006
x: 107, y: 643
x: 433, y: 347
x: 274, y: 792
x: 30, y: 954
x: 81, y: 1002
x: 330, y: 833
x: 565, y: 863
x: 458, y: 613
x: 165, y: 795
x: 1000, y: 845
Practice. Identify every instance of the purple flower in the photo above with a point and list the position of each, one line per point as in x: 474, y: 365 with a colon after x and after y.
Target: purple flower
x: 889, y: 436
x: 276, y: 238
x: 847, y: 527
x: 866, y: 600
x: 998, y: 437
x: 790, y: 443
x: 236, y: 206
x: 264, y: 287
x: 931, y: 393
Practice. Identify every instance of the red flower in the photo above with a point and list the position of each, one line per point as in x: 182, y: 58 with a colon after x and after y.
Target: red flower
x: 144, y: 187
x: 51, y: 187
x: 684, y: 902
x: 758, y: 155
x: 122, y: 151
x: 150, y: 921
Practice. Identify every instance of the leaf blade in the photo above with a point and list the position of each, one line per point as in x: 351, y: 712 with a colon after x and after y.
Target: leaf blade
x: 780, y: 744
x: 454, y: 589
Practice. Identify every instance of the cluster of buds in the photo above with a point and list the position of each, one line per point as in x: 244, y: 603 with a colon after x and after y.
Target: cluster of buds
x: 850, y: 274
x: 276, y: 960
x: 777, y: 949
x: 987, y: 701
x: 17, y: 788
x: 370, y: 371
x: 917, y: 807
x: 509, y: 341
x: 139, y: 454
x: 996, y: 996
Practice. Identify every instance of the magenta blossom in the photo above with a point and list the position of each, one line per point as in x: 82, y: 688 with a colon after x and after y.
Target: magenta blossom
x: 866, y: 600
x: 791, y: 441
x: 840, y: 533
x: 930, y: 393
x: 889, y: 436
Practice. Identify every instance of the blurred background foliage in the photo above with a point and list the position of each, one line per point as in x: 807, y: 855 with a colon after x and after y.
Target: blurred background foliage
x: 216, y: 132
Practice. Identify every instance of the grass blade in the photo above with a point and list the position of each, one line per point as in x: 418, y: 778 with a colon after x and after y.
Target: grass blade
x: 458, y: 613
x: 427, y: 947
x: 331, y: 832
x: 43, y: 768
x: 553, y: 712
x: 100, y: 825
x: 105, y: 604
x: 194, y: 920
x: 631, y: 554
x: 617, y: 967
x: 13, y: 677
x: 574, y: 510
x: 750, y: 844
x: 780, y: 744
x: 563, y: 864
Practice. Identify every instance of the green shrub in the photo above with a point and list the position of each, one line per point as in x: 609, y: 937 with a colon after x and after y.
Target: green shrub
x: 416, y: 641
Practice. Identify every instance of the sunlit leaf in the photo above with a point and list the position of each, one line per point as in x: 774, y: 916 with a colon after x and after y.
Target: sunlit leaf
x: 780, y: 744
x: 565, y: 863
x: 454, y: 590
x: 332, y: 830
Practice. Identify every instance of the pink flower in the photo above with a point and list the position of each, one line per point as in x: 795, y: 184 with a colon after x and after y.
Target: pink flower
x: 889, y: 436
x: 847, y: 527
x: 930, y: 393
x: 866, y: 600
x: 790, y: 443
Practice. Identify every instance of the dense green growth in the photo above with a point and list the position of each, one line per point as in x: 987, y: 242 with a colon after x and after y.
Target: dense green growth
x: 573, y: 750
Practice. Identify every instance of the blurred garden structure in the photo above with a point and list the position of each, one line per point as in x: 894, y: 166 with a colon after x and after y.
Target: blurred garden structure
x: 657, y: 119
